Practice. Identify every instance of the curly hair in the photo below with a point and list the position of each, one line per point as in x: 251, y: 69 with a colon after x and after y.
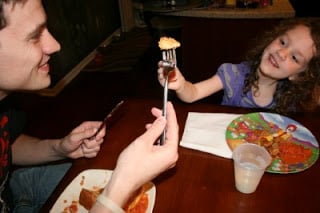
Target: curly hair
x: 3, y: 20
x: 300, y: 94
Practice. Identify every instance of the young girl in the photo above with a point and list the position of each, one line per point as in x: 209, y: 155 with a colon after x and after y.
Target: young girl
x: 282, y: 72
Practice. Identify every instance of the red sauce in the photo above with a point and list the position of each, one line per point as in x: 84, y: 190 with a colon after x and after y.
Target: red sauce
x: 291, y: 153
x: 172, y: 76
x: 141, y: 206
x: 73, y: 208
x: 82, y: 181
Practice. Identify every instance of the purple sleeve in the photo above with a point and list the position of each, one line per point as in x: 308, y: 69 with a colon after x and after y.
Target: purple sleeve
x: 232, y: 77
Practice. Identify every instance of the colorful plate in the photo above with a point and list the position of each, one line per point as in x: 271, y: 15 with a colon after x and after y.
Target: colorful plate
x: 91, y: 179
x: 291, y: 145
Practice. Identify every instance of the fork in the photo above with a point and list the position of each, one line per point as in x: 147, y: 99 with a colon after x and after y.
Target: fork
x: 169, y: 63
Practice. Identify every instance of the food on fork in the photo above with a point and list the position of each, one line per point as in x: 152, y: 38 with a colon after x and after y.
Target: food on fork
x: 167, y: 43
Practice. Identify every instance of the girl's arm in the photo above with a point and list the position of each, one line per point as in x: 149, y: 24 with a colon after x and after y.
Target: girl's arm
x: 189, y: 92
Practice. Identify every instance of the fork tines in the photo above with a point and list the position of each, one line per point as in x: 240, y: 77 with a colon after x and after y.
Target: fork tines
x: 169, y: 55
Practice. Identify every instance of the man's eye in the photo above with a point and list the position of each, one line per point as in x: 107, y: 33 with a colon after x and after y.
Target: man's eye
x: 35, y: 37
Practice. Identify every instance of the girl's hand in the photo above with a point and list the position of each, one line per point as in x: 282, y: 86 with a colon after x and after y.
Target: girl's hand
x: 176, y: 79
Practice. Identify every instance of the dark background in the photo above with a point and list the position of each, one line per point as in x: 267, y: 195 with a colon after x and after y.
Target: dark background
x: 80, y: 26
x: 305, y: 8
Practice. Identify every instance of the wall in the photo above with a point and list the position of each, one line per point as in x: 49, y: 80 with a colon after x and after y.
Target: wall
x: 207, y: 43
x: 80, y: 26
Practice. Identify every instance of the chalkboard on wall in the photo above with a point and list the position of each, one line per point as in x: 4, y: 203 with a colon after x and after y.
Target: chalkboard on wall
x: 80, y: 26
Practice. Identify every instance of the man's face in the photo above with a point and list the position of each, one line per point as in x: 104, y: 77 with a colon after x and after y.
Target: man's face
x: 25, y: 47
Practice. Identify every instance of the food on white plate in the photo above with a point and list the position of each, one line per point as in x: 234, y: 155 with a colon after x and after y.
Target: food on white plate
x: 88, y: 197
x: 138, y: 203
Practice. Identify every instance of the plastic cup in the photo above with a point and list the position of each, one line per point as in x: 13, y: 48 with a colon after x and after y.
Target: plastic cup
x: 250, y: 161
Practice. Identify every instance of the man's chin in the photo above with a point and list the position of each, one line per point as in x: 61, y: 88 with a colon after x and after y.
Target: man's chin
x: 40, y: 86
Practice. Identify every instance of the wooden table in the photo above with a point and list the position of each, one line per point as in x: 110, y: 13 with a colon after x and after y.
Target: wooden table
x: 203, y: 182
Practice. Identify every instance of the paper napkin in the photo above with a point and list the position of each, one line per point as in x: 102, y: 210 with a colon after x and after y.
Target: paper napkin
x: 206, y: 132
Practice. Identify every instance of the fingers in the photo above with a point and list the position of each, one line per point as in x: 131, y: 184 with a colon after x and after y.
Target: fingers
x: 154, y: 131
x: 160, y: 63
x: 87, y: 130
x: 83, y: 135
x: 156, y: 112
x: 91, y: 148
x: 101, y: 133
x: 160, y: 71
x: 172, y: 134
x: 172, y: 126
x: 160, y: 75
x: 87, y: 125
x: 89, y: 152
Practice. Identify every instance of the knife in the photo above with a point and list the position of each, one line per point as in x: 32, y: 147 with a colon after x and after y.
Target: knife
x: 106, y: 119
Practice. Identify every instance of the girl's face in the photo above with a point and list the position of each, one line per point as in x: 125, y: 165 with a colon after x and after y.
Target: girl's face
x: 25, y: 47
x: 289, y: 54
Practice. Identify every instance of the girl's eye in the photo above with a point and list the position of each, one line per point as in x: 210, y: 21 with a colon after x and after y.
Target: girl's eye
x: 282, y: 42
x: 295, y: 58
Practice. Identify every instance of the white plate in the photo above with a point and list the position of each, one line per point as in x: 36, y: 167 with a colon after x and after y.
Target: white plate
x: 90, y: 179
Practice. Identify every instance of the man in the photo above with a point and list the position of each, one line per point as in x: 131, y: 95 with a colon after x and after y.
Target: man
x: 25, y: 49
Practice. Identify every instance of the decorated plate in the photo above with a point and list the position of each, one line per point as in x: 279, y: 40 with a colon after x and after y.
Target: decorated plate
x: 92, y: 179
x: 292, y: 146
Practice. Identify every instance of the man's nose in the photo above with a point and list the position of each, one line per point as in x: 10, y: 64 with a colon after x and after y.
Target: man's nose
x: 49, y: 44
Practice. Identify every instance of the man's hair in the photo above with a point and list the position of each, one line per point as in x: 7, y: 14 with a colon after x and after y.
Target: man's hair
x: 3, y: 21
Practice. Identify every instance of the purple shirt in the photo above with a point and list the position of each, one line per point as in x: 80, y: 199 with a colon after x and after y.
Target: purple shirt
x: 232, y: 77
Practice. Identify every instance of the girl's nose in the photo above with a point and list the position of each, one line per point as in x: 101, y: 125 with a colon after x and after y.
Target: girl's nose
x: 282, y: 53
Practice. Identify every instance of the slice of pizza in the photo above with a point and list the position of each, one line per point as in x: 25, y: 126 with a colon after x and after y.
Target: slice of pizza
x: 138, y: 203
x: 88, y: 197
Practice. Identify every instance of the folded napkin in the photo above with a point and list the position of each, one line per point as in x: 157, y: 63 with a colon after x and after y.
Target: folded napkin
x: 206, y: 132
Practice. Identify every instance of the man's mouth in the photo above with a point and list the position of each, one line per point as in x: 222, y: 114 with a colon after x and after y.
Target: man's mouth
x: 44, y: 67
